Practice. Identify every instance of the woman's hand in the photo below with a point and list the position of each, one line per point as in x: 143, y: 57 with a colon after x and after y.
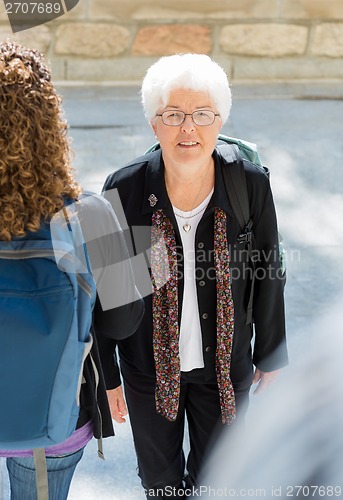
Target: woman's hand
x: 264, y: 379
x: 117, y: 404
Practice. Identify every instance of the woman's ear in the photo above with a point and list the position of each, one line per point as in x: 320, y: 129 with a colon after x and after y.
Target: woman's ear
x: 153, y: 126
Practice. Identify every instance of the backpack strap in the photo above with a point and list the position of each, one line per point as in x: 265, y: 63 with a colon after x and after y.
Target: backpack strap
x: 237, y: 191
x: 41, y: 474
x: 235, y: 183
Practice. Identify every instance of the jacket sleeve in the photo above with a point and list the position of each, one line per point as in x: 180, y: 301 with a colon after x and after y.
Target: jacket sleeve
x: 270, y: 351
x: 109, y: 363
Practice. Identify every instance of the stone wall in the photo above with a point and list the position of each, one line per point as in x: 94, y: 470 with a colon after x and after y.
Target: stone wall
x: 259, y: 40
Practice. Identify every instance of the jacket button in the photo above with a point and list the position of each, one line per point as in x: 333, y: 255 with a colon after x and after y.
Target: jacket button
x: 202, y: 283
x: 208, y: 349
x: 200, y: 245
x: 205, y: 316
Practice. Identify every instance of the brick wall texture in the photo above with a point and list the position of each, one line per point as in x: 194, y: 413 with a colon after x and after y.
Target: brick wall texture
x: 266, y: 40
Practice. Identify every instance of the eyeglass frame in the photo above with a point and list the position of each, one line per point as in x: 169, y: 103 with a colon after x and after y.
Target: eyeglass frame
x: 189, y: 114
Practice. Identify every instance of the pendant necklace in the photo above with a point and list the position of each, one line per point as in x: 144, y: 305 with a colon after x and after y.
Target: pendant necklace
x: 186, y: 226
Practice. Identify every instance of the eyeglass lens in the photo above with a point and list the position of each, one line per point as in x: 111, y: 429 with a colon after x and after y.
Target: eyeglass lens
x: 200, y: 117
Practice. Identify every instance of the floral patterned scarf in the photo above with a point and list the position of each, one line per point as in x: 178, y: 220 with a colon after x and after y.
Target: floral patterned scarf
x: 165, y: 316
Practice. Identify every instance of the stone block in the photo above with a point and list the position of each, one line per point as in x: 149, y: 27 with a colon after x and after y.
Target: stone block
x: 96, y: 40
x: 39, y: 38
x: 287, y: 69
x: 312, y: 9
x: 181, y: 10
x: 217, y: 9
x: 328, y: 40
x: 119, y: 10
x: 58, y: 69
x: 271, y: 40
x: 120, y: 69
x: 170, y: 39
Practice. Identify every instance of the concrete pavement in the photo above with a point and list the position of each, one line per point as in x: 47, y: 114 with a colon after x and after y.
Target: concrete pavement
x: 299, y: 130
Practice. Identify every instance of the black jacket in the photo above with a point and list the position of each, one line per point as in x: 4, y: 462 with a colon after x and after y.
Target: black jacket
x: 145, y: 176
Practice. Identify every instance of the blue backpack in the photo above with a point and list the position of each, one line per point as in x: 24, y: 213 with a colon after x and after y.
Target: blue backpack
x: 45, y: 318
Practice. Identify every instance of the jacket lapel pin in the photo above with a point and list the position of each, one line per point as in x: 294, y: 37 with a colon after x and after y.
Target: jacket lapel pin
x: 152, y: 200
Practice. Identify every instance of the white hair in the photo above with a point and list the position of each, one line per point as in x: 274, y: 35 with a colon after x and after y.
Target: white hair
x: 197, y: 72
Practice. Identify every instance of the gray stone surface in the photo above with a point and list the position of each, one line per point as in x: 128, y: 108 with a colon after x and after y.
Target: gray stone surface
x: 263, y: 40
x: 299, y: 131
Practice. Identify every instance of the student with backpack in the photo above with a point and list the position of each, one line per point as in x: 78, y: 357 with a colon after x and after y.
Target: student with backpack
x: 191, y: 355
x: 56, y: 245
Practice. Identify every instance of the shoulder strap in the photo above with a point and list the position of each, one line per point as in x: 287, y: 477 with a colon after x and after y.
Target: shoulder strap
x: 41, y: 474
x: 235, y: 183
x: 237, y: 191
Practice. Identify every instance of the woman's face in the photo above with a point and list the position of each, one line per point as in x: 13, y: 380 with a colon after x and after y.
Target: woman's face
x: 188, y: 143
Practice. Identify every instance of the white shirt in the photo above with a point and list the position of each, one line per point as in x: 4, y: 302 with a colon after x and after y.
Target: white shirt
x: 190, y: 342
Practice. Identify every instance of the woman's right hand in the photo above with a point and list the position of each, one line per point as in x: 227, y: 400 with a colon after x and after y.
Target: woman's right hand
x: 117, y: 404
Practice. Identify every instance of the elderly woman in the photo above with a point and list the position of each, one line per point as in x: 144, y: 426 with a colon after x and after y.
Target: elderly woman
x: 192, y: 355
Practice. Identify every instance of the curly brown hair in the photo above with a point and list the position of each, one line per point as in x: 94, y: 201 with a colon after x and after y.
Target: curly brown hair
x: 35, y: 171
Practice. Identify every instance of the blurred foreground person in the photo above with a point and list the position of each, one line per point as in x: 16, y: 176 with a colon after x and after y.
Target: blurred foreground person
x: 292, y: 444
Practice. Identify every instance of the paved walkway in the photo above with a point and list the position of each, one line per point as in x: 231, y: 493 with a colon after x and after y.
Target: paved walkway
x: 299, y: 131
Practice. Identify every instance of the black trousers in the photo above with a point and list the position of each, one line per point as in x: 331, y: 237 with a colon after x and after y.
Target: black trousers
x: 159, y: 442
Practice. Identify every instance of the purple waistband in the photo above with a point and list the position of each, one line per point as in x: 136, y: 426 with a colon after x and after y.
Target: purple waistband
x: 75, y: 442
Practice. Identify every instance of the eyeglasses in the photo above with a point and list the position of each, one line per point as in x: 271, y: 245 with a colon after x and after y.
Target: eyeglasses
x: 201, y: 117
